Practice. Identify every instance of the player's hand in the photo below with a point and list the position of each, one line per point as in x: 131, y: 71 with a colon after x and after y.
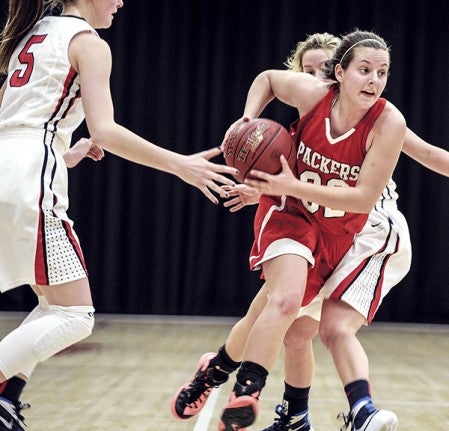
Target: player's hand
x: 241, y: 195
x: 81, y: 149
x: 198, y: 171
x: 274, y: 185
x: 95, y: 152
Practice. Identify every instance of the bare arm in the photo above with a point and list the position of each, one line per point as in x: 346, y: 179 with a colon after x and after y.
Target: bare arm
x: 378, y: 165
x: 430, y: 156
x: 91, y: 57
x: 297, y: 89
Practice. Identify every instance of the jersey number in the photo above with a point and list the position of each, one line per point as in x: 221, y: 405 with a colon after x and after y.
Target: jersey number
x: 21, y: 77
x: 314, y: 177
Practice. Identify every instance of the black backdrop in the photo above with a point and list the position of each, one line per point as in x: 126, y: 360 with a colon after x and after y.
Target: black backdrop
x: 155, y: 245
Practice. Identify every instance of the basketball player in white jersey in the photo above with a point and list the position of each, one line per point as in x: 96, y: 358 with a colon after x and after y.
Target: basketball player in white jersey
x: 58, y: 71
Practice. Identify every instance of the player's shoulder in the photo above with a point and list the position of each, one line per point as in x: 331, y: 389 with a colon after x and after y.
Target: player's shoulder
x: 87, y: 41
x: 391, y: 116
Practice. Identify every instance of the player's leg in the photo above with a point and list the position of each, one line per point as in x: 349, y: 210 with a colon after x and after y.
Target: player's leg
x: 293, y: 412
x: 286, y: 277
x: 338, y: 332
x: 379, y: 258
x: 11, y: 389
x: 214, y: 367
x: 68, y: 319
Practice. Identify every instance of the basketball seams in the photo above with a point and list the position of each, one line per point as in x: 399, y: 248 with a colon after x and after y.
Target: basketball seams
x: 258, y: 144
x: 266, y: 148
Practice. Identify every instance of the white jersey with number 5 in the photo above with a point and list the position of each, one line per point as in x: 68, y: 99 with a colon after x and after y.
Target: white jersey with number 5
x: 43, y: 90
x: 40, y: 109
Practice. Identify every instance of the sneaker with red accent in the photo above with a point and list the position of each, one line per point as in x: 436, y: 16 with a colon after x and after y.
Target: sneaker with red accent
x: 191, y: 397
x: 240, y: 412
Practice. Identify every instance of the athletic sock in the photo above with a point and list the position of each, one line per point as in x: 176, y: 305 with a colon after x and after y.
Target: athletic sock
x: 251, y: 379
x: 222, y: 365
x: 356, y: 392
x: 12, y: 388
x: 295, y: 400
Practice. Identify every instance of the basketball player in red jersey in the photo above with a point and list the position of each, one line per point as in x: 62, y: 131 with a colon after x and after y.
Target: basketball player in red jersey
x: 214, y: 368
x: 345, y: 159
x: 58, y: 71
x: 350, y: 120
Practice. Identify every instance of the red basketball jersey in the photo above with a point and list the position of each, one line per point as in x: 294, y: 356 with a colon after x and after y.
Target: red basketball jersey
x: 333, y: 162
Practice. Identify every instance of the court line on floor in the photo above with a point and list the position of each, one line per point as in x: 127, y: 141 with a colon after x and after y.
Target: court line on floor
x: 202, y: 424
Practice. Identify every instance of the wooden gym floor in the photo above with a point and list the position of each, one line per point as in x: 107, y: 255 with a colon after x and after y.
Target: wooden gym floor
x: 124, y: 375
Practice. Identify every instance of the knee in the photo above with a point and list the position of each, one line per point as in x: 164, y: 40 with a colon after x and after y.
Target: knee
x: 69, y: 326
x: 300, y: 334
x: 330, y: 333
x: 337, y: 331
x: 339, y: 321
x: 286, y: 304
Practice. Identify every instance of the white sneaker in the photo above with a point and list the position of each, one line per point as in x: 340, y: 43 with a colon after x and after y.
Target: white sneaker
x: 380, y: 420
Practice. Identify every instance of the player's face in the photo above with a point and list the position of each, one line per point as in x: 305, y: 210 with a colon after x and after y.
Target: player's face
x: 366, y: 76
x: 103, y: 12
x: 314, y: 60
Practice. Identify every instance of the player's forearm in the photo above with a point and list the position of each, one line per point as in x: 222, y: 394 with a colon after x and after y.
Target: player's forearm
x: 259, y: 95
x: 126, y: 144
x: 349, y: 199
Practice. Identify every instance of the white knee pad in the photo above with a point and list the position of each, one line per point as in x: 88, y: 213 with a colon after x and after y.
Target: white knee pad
x: 39, y: 311
x: 37, y: 340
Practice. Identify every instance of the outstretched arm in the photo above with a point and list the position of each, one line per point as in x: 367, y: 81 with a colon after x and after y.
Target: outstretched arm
x: 428, y: 155
x: 91, y: 58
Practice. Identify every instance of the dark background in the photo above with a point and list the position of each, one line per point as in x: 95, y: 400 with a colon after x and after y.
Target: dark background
x: 155, y: 245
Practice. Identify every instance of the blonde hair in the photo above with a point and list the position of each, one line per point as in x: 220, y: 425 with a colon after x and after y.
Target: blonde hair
x: 324, y: 41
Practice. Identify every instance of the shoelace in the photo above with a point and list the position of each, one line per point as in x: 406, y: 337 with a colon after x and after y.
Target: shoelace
x: 347, y: 419
x: 201, y: 384
x: 19, y: 407
x: 282, y: 420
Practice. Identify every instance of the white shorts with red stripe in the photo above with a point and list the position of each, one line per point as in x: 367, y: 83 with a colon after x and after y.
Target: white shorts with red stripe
x: 379, y: 258
x: 38, y: 244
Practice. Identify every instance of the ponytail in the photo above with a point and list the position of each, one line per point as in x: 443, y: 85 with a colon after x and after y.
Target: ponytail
x: 22, y: 16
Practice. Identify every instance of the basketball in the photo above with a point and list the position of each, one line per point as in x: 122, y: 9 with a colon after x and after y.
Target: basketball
x: 258, y: 144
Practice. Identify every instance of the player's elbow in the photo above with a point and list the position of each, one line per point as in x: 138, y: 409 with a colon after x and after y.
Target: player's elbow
x: 102, y: 134
x: 366, y: 204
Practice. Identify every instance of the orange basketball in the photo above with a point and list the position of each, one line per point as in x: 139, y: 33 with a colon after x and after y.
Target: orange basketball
x: 258, y: 144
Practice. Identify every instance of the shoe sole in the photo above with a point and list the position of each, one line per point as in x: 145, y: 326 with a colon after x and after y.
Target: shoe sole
x: 240, y: 413
x: 382, y: 420
x: 204, y: 360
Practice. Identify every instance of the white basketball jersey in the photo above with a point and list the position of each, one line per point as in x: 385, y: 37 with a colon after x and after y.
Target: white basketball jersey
x: 389, y: 195
x: 43, y: 90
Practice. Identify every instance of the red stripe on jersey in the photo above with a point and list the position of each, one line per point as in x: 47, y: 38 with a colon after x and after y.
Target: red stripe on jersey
x: 355, y: 274
x: 65, y: 92
x: 74, y: 242
x: 349, y: 279
x: 378, y: 292
x: 40, y: 265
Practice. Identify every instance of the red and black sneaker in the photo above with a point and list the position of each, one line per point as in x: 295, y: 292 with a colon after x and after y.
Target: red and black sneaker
x: 191, y: 397
x: 240, y: 412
